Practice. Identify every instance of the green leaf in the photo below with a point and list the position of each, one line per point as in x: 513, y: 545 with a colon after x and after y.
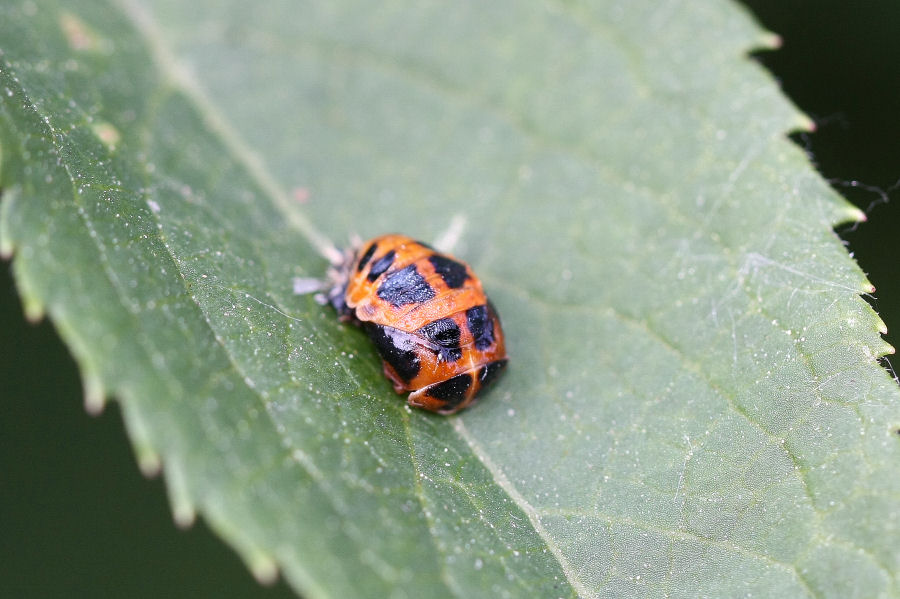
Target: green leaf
x: 693, y: 406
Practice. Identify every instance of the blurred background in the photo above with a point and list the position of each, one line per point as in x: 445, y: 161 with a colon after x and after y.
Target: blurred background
x: 77, y: 519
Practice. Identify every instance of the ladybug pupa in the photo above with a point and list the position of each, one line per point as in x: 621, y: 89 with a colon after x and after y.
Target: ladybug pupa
x: 438, y: 335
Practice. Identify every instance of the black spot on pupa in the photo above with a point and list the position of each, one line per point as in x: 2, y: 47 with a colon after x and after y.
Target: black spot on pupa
x: 444, y: 336
x: 453, y: 390
x: 490, y: 371
x: 381, y: 265
x: 481, y: 326
x: 397, y: 348
x: 404, y: 287
x: 366, y: 257
x: 453, y: 272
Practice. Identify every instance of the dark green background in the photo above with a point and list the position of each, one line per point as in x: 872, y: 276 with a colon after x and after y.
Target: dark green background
x: 78, y: 520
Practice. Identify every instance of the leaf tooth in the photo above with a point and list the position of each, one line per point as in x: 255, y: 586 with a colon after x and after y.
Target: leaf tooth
x: 803, y: 123
x: 7, y: 196
x: 184, y: 512
x: 148, y: 459
x: 854, y: 214
x: 32, y: 306
x: 769, y: 40
x: 884, y: 348
x: 94, y: 393
x: 6, y: 247
x: 263, y: 566
x: 261, y: 563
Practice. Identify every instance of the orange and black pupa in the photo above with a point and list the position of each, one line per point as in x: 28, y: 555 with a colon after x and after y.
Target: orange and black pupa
x: 437, y: 333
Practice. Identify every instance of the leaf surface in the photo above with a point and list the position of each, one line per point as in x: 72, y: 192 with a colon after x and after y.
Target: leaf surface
x: 693, y: 407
